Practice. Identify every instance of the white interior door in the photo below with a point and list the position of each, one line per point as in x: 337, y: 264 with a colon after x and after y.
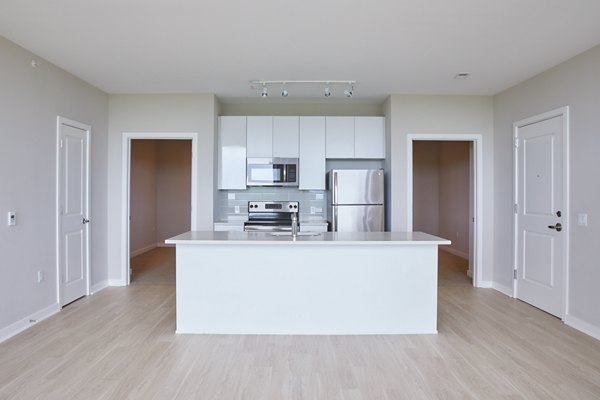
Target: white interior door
x: 73, y: 187
x: 540, y: 214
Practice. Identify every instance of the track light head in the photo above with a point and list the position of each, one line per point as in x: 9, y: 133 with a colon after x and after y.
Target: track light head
x: 264, y: 92
x: 348, y: 93
x: 284, y: 93
x: 327, y: 92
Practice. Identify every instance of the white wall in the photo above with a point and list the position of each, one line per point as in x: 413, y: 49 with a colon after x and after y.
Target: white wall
x: 30, y: 100
x: 575, y: 83
x: 158, y: 113
x: 143, y: 171
x: 411, y: 114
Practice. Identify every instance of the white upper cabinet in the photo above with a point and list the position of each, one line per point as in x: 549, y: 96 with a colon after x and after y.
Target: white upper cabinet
x: 260, y: 137
x: 339, y: 137
x: 312, y: 153
x: 369, y: 137
x: 232, y: 153
x: 355, y: 137
x: 285, y: 137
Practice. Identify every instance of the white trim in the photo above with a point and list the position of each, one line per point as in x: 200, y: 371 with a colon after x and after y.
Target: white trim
x: 88, y: 130
x: 582, y: 326
x: 27, y: 322
x: 478, y: 192
x: 565, y: 113
x: 455, y: 252
x: 143, y: 250
x: 486, y: 284
x: 99, y: 286
x: 507, y: 290
x: 117, y: 282
x: 165, y: 245
x: 125, y: 168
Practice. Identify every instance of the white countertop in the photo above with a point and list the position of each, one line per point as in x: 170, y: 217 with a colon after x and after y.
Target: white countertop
x: 325, y: 238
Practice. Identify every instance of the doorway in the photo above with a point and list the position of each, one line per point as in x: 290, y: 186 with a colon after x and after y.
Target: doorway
x: 449, y: 194
x: 72, y: 213
x: 157, y: 180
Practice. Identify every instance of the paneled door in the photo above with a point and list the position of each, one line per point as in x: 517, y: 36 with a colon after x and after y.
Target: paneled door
x: 540, y: 214
x: 73, y: 222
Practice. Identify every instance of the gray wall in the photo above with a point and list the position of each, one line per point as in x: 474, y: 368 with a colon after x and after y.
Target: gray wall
x: 411, y: 114
x: 30, y: 100
x: 164, y: 114
x: 574, y: 83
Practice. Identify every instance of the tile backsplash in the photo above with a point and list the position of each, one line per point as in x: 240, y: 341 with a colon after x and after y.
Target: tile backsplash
x: 232, y: 205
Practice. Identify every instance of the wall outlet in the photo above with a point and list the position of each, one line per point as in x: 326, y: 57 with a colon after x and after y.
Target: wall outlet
x: 319, y: 196
x: 12, y: 218
x: 40, y: 276
x: 582, y: 219
x: 236, y: 209
x: 230, y: 196
x: 313, y: 210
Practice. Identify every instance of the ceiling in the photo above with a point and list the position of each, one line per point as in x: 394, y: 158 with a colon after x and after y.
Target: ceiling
x: 387, y: 46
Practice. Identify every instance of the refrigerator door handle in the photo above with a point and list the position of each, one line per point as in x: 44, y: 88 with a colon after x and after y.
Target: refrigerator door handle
x: 335, y: 188
x: 334, y: 224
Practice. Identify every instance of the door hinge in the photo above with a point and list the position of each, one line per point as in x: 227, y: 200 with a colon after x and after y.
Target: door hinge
x: 516, y: 208
x: 516, y: 142
x: 61, y: 143
x: 514, y: 274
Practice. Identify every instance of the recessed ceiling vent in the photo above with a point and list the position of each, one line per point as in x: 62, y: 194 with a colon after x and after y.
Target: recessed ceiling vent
x: 462, y: 75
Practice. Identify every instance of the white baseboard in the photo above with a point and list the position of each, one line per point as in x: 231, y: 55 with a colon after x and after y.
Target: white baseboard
x: 116, y: 282
x: 27, y: 322
x: 142, y: 250
x: 457, y: 253
x: 164, y: 244
x: 99, y: 286
x: 580, y: 325
x: 503, y: 289
x: 485, y: 284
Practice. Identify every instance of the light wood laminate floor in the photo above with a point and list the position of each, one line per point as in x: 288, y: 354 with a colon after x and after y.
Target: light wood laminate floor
x: 120, y: 344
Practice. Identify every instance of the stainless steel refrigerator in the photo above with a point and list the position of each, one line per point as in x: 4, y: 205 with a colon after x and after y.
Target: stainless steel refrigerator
x: 355, y: 200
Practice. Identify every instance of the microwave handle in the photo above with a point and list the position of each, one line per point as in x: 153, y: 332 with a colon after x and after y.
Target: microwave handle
x: 284, y: 173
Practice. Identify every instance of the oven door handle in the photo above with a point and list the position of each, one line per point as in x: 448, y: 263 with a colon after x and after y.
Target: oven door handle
x: 260, y: 228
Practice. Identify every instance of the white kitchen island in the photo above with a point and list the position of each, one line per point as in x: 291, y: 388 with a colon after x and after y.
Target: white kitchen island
x: 328, y: 284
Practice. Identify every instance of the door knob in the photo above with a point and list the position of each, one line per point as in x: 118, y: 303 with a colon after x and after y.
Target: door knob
x: 558, y: 227
x: 85, y: 221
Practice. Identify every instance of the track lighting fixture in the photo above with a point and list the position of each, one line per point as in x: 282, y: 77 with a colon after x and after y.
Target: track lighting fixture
x: 328, y: 87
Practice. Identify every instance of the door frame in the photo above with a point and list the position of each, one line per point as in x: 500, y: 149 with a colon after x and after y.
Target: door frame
x: 88, y: 129
x: 564, y: 112
x: 477, y: 195
x: 126, y: 186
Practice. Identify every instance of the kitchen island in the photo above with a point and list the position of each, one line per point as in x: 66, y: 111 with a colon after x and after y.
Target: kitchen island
x: 328, y: 283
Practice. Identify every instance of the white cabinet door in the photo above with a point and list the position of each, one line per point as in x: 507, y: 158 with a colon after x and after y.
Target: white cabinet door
x: 312, y: 153
x: 369, y: 137
x: 339, y: 137
x: 232, y: 153
x: 260, y: 137
x: 285, y: 137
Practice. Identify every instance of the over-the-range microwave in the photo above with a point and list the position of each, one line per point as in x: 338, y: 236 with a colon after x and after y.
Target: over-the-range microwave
x: 272, y: 172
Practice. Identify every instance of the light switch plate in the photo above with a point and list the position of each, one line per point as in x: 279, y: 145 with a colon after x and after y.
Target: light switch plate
x: 582, y: 219
x: 12, y: 218
x: 230, y: 196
